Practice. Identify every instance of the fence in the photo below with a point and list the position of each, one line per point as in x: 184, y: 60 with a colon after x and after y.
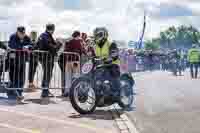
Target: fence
x: 18, y: 68
x: 134, y: 63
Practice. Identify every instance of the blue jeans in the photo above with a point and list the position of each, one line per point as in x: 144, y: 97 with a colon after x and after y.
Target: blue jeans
x: 113, y: 74
x: 194, y: 69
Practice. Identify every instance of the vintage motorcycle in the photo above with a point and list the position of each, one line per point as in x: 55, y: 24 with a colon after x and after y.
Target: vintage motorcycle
x: 92, y: 90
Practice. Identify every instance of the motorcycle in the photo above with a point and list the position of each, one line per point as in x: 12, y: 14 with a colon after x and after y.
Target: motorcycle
x: 92, y: 90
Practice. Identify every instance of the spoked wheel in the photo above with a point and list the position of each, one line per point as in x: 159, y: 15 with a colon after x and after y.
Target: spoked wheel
x: 82, y: 96
x: 126, y: 95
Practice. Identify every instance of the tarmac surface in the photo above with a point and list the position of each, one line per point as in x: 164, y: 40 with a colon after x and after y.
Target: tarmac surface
x: 166, y: 104
x: 56, y: 117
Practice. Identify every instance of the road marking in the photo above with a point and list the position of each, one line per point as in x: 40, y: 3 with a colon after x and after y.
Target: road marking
x: 130, y: 124
x: 65, y: 122
x: 123, y: 122
x: 18, y: 128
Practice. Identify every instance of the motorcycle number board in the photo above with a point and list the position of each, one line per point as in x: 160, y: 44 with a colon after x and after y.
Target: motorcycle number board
x: 87, y: 67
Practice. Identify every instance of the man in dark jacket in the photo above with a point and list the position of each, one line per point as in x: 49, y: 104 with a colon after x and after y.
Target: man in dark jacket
x: 17, y: 60
x: 47, y: 43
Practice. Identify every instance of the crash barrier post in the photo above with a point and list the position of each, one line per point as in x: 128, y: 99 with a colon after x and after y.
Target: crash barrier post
x: 44, y: 69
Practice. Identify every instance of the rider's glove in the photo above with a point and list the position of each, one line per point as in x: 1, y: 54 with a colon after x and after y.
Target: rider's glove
x: 108, y: 60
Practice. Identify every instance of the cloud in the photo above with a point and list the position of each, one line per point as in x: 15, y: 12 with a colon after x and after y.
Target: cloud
x: 123, y: 18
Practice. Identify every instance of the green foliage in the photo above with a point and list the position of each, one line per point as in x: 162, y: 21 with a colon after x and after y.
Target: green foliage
x: 181, y: 37
x: 153, y: 45
x: 175, y: 37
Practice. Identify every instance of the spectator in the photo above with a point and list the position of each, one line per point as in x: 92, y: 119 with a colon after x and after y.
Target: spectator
x: 180, y: 62
x: 47, y: 43
x: 70, y: 64
x: 90, y: 48
x: 4, y: 47
x: 17, y: 60
x: 85, y: 46
x: 84, y: 36
x: 33, y: 62
x: 193, y: 59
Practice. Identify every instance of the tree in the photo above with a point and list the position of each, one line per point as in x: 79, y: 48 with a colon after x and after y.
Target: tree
x: 180, y: 37
x: 152, y: 45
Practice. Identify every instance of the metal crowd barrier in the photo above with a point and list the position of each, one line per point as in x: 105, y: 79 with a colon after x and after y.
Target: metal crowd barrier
x: 19, y: 68
x: 132, y: 63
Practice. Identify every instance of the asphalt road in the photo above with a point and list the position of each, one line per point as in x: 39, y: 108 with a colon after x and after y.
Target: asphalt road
x: 166, y: 104
x: 56, y: 117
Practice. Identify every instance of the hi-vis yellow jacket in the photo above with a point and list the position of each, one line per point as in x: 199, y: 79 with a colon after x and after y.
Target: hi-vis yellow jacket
x: 104, y: 52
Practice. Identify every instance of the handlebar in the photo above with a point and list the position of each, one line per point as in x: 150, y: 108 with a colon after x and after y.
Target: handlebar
x: 97, y: 60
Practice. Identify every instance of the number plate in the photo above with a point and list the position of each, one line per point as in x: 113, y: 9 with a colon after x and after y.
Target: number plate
x: 87, y: 67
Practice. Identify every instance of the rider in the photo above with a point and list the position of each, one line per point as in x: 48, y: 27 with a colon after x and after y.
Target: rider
x: 109, y: 52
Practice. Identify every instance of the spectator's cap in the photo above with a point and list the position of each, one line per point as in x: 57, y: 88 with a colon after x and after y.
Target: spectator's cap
x: 21, y: 29
x: 50, y: 27
x: 76, y: 34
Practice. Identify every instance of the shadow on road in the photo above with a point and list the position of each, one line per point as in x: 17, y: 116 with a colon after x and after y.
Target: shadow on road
x: 97, y: 115
x: 39, y: 101
x: 9, y: 102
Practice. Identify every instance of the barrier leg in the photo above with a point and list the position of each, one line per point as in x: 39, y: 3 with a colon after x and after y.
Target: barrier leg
x: 68, y: 77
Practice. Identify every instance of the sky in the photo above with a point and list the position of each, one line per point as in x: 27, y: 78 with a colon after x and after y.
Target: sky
x: 123, y: 18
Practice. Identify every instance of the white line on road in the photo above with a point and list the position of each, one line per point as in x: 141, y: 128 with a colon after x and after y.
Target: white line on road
x: 65, y: 122
x: 17, y: 128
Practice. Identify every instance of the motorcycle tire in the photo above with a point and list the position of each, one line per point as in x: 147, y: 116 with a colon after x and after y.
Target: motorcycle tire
x: 72, y: 98
x: 131, y: 96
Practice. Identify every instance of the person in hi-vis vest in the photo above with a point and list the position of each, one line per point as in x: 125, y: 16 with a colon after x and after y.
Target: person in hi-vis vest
x: 106, y: 50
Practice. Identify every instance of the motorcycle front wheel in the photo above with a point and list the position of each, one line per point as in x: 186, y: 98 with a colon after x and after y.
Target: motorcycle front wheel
x: 126, y: 95
x: 82, y: 96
